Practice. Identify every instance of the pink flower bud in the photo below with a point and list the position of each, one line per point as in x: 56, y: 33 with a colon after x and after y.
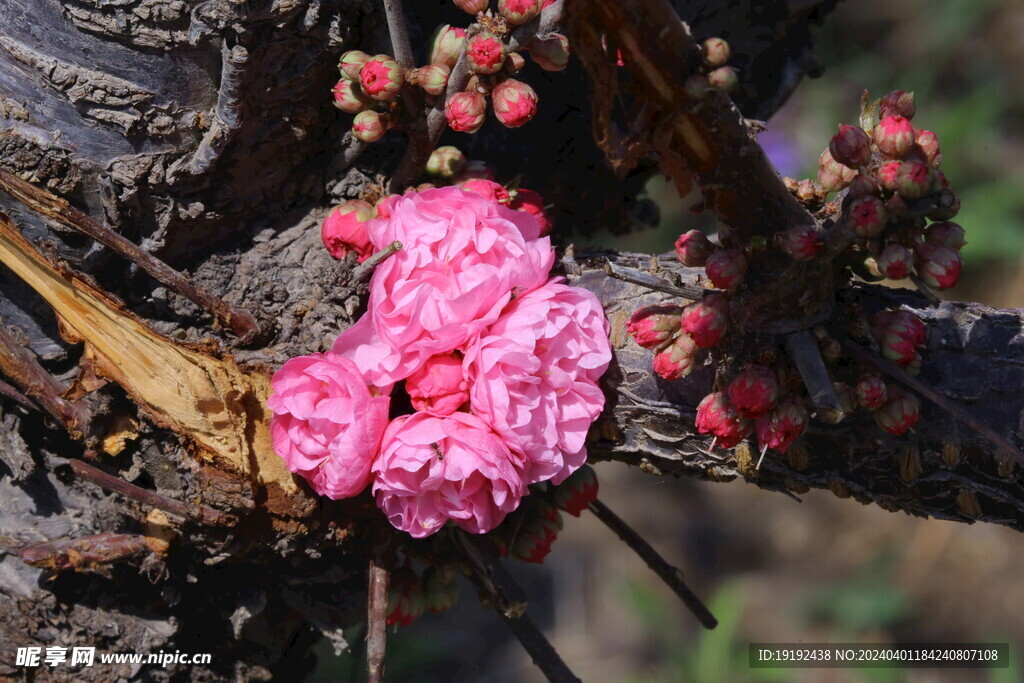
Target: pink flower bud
x: 898, y: 103
x: 577, y: 492
x: 899, y: 413
x: 705, y: 320
x: 899, y: 334
x: 723, y: 78
x: 488, y: 189
x: 551, y: 53
x: 473, y: 7
x: 514, y: 63
x: 896, y: 261
x: 783, y: 425
x: 754, y: 391
x: 406, y: 601
x: 801, y: 242
x: 847, y: 397
x: 440, y: 591
x: 465, y: 111
x: 537, y: 532
x: 693, y: 248
x: 716, y: 52
x: 514, y: 102
x: 349, y: 97
x: 945, y: 234
x: 871, y: 392
x: 851, y: 146
x: 867, y: 216
x: 832, y: 175
x: 445, y: 162
x: 886, y: 175
x: 862, y: 186
x: 344, y: 230
x: 485, y: 53
x: 370, y: 126
x: 726, y: 268
x: 518, y: 12
x: 913, y: 179
x: 433, y: 78
x: 439, y: 386
x: 446, y: 45
x: 676, y: 361
x: 929, y: 144
x: 894, y: 135
x: 350, y: 64
x: 716, y: 416
x: 938, y: 266
x: 652, y: 327
x: 381, y: 77
x: 532, y: 203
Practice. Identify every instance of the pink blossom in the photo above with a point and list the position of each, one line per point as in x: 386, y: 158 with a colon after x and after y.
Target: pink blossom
x: 533, y: 377
x: 327, y: 424
x: 439, y: 387
x: 435, y: 469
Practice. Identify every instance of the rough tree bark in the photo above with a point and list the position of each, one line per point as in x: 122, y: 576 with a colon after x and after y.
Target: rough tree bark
x: 203, y: 131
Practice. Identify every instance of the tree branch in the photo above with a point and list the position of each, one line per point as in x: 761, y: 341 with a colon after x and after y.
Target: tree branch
x: 376, y: 622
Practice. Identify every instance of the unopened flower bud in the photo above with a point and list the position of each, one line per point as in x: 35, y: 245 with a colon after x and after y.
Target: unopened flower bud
x: 716, y: 52
x: 473, y: 7
x: 723, y: 78
x: 863, y: 185
x: 832, y: 175
x: 433, y: 78
x: 350, y: 64
x: 370, y: 126
x: 446, y: 45
x: 693, y: 248
x: 465, y: 111
x: 514, y: 63
x: 867, y: 216
x: 871, y: 392
x: 894, y: 135
x: 485, y: 53
x: 726, y: 268
x: 899, y: 413
x: 488, y: 189
x: 514, y: 102
x: 851, y: 146
x: 439, y: 386
x: 676, y: 360
x: 938, y: 266
x: 717, y: 416
x: 847, y: 397
x: 800, y: 242
x: 653, y: 327
x: 946, y: 234
x: 349, y: 97
x: 532, y: 203
x: 782, y: 426
x: 928, y: 142
x: 344, y: 230
x: 538, y: 531
x: 518, y: 12
x: 899, y: 334
x: 705, y: 320
x: 898, y: 103
x: 440, y: 591
x: 577, y: 492
x: 913, y: 179
x: 551, y: 53
x: 381, y: 77
x: 754, y: 391
x: 406, y: 601
x: 886, y: 175
x: 896, y: 261
x: 445, y: 162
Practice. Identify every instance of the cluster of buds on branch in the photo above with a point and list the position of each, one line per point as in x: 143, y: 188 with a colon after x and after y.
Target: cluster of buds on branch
x: 715, y: 73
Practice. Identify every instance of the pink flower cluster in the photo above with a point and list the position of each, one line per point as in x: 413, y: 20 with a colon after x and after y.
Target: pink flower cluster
x: 500, y: 364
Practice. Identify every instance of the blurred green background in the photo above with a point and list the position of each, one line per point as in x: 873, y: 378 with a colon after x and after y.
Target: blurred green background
x: 773, y: 569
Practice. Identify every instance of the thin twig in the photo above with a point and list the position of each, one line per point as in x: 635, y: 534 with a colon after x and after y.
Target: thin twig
x: 895, y: 372
x: 84, y: 553
x: 669, y: 574
x: 925, y: 290
x: 197, y: 513
x: 804, y: 351
x: 691, y: 292
x: 367, y: 266
x: 15, y: 395
x: 376, y: 622
x: 238, y: 320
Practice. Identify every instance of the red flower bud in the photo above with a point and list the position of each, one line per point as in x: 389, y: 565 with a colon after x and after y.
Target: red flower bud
x: 898, y: 103
x: 344, y: 230
x: 439, y: 386
x: 705, y: 320
x: 488, y: 189
x: 754, y: 391
x: 406, y: 601
x: 446, y: 45
x: 929, y: 144
x: 381, y: 77
x: 350, y: 64
x: 726, y: 268
x: 445, y: 162
x: 532, y: 203
x: 518, y: 12
x: 867, y: 216
x: 652, y: 327
x: 783, y: 425
x: 349, y: 97
x: 832, y: 175
x: 465, y: 111
x: 886, y: 175
x: 896, y: 261
x: 693, y: 248
x: 551, y: 53
x: 801, y: 242
x: 945, y: 234
x: 913, y: 179
x: 871, y: 392
x: 899, y: 334
x: 723, y: 78
x: 538, y: 531
x: 676, y: 360
x: 485, y: 53
x: 514, y: 102
x: 938, y: 266
x: 433, y: 78
x: 899, y: 413
x: 716, y: 52
x: 440, y: 591
x: 851, y: 146
x: 370, y: 126
x: 862, y: 186
x: 716, y: 416
x: 894, y: 135
x: 473, y: 7
x: 577, y: 492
